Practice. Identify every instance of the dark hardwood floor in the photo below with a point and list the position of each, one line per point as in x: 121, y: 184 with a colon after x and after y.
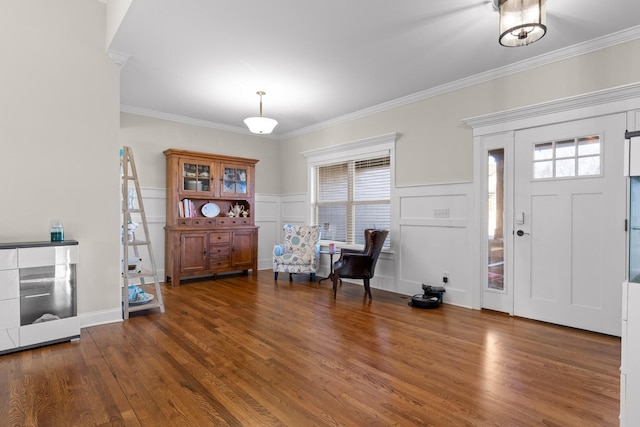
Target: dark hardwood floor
x: 244, y: 351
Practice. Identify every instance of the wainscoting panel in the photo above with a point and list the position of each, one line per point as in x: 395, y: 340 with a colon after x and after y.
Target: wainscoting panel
x: 293, y: 209
x: 434, y: 237
x: 268, y: 219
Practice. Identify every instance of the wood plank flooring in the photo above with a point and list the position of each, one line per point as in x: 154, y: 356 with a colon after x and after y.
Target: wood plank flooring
x: 245, y: 351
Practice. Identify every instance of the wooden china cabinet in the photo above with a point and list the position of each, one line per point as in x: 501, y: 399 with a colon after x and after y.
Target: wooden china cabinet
x: 201, y: 238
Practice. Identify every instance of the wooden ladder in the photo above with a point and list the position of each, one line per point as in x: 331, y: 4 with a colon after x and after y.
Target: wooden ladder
x: 131, y: 245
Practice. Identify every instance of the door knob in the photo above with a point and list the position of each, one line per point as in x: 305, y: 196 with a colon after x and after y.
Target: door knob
x: 521, y: 233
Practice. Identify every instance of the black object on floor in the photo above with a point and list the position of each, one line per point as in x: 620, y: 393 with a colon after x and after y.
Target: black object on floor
x: 431, y: 298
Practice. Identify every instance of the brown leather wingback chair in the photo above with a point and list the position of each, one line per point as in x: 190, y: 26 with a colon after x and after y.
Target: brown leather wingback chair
x: 355, y: 264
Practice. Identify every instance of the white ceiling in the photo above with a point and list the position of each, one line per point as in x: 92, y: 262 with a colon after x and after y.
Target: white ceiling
x: 320, y: 62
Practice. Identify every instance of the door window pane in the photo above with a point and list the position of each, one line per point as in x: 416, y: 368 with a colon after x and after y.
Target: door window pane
x: 495, y: 215
x: 543, y: 151
x: 589, y: 166
x: 578, y: 157
x: 565, y: 167
x: 565, y: 149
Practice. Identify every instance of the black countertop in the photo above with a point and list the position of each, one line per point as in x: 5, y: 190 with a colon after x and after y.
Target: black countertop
x: 17, y: 245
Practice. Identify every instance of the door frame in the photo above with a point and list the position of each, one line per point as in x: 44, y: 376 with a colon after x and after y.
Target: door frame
x: 497, y: 300
x: 614, y: 100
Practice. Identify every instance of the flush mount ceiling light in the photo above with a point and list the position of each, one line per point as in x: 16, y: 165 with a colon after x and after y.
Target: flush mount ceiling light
x: 261, y: 125
x: 522, y: 22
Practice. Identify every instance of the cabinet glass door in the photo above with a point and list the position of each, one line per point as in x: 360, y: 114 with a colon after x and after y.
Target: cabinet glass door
x: 235, y: 180
x: 196, y: 177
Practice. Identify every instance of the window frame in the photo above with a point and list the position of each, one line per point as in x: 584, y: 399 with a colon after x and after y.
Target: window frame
x: 368, y: 148
x: 554, y: 158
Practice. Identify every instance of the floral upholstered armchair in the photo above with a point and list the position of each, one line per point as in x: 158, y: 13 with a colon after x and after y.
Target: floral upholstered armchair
x: 300, y: 251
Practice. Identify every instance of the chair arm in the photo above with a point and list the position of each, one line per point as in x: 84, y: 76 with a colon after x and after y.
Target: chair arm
x: 279, y: 250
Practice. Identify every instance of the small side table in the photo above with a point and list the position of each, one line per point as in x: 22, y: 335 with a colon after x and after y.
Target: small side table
x: 331, y: 273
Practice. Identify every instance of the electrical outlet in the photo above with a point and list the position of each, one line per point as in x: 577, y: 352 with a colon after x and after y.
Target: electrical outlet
x: 441, y: 213
x: 445, y: 277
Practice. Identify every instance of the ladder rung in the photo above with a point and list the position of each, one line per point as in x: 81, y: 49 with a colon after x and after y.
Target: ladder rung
x: 138, y: 243
x: 141, y: 274
x: 147, y: 306
x: 132, y: 210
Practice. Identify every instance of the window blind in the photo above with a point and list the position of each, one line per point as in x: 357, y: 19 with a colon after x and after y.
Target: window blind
x: 352, y: 196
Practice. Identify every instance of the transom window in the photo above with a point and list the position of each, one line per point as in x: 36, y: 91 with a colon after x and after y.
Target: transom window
x: 567, y: 158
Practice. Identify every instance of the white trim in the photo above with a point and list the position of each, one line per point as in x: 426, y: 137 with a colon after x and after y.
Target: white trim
x: 609, y: 40
x: 100, y: 317
x: 599, y: 103
x: 118, y: 57
x: 188, y: 120
x: 603, y: 42
x: 380, y: 144
x: 376, y: 145
x: 591, y: 104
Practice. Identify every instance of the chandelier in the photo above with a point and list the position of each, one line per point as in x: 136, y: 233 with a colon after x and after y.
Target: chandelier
x: 522, y: 22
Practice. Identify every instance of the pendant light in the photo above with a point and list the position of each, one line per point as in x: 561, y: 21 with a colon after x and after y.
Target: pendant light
x: 261, y: 125
x: 522, y: 22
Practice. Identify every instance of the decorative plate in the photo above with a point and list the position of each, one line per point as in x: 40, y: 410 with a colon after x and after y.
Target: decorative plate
x: 210, y: 210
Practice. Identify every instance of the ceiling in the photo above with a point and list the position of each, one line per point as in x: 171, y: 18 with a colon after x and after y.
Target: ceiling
x: 320, y: 62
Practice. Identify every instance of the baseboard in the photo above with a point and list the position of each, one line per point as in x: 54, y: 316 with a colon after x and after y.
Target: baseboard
x: 100, y: 317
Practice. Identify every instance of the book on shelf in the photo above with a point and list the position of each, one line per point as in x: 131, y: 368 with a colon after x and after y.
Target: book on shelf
x: 186, y: 209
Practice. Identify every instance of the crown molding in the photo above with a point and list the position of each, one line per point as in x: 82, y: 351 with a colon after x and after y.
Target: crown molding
x: 118, y: 57
x: 188, y: 120
x: 591, y: 104
x: 609, y: 40
x: 613, y: 39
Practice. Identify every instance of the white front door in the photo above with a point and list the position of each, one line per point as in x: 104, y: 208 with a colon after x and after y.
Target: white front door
x: 568, y: 223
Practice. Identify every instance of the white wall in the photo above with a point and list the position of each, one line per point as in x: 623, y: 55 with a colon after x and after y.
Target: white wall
x: 59, y: 122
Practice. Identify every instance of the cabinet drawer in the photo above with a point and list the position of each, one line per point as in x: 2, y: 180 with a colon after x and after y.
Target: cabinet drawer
x: 9, y: 338
x: 238, y: 221
x: 196, y: 222
x: 51, y: 255
x: 9, y: 313
x: 9, y: 284
x: 219, y: 251
x: 8, y: 259
x: 219, y: 237
x: 217, y: 263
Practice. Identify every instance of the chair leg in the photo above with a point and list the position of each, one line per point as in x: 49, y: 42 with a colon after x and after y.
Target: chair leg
x: 367, y: 288
x: 275, y: 275
x: 290, y: 277
x: 313, y: 277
